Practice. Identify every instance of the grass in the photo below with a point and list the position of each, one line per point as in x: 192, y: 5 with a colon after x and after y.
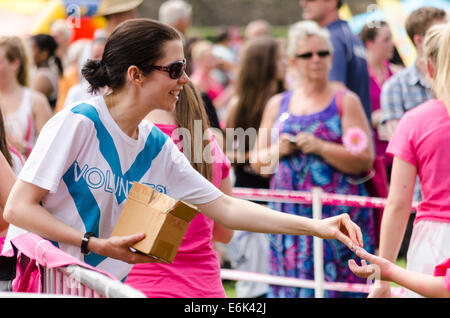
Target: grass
x: 210, y: 33
x: 230, y: 290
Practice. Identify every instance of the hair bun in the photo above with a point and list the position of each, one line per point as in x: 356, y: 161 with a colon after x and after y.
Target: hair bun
x: 94, y: 71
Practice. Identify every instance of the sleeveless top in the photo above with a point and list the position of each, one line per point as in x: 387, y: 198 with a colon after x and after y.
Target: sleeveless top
x: 293, y: 256
x: 20, y: 124
x: 303, y: 171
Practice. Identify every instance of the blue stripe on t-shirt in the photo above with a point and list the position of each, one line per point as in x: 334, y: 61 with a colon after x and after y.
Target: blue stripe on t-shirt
x: 141, y: 165
x: 86, y: 206
x: 84, y: 200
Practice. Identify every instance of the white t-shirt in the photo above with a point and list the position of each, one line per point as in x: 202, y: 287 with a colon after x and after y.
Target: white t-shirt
x: 89, y: 164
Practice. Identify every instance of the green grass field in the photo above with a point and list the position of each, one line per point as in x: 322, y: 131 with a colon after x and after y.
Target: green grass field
x: 211, y: 32
x: 231, y: 292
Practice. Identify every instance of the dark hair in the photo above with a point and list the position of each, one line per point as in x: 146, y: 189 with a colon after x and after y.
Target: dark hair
x: 257, y: 72
x: 255, y: 80
x: 47, y: 43
x: 340, y: 3
x: 370, y: 30
x: 138, y: 42
x: 223, y: 35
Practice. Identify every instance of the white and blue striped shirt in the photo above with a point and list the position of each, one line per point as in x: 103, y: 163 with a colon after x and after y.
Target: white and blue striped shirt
x: 89, y: 164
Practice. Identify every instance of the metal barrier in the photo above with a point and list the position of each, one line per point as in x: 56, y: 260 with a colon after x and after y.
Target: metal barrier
x: 76, y: 281
x: 43, y: 270
x: 316, y: 198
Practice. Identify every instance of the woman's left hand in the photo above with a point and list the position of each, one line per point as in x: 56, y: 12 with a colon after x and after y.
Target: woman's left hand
x: 342, y: 228
x: 308, y: 143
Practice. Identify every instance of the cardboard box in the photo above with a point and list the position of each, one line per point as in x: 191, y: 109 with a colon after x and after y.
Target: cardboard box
x: 163, y: 219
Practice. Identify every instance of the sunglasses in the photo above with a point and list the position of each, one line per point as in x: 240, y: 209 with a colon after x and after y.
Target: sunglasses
x: 309, y: 55
x: 175, y: 70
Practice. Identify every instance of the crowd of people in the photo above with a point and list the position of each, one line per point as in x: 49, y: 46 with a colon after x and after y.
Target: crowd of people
x: 322, y: 107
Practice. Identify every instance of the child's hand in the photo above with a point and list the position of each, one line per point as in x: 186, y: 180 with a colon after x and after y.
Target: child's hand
x: 378, y: 270
x: 379, y: 267
x: 363, y: 271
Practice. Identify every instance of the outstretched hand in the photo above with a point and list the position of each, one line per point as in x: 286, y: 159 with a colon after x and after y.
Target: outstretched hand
x: 377, y: 265
x: 342, y: 228
x: 378, y: 269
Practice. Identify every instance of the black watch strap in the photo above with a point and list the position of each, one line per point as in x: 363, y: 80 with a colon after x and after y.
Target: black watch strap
x: 84, y: 242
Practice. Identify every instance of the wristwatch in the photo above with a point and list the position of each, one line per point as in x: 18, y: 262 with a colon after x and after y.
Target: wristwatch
x: 84, y: 242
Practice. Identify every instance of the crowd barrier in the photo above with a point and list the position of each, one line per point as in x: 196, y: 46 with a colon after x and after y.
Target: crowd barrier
x: 73, y: 280
x: 43, y: 270
x: 316, y: 198
x: 76, y: 281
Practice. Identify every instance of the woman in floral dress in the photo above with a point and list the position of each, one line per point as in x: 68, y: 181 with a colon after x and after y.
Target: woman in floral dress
x: 309, y: 150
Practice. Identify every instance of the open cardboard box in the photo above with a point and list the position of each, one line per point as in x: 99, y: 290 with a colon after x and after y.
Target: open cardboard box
x: 163, y: 219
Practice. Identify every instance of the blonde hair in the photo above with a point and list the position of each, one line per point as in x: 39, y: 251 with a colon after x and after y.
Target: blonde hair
x: 303, y: 30
x: 437, y: 48
x: 199, y: 49
x: 15, y: 49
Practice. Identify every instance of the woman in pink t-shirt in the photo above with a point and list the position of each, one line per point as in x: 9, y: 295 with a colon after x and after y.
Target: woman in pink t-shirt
x: 195, y: 272
x: 421, y: 146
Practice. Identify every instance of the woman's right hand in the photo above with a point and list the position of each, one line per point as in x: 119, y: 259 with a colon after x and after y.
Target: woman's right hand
x: 286, y: 145
x: 118, y: 247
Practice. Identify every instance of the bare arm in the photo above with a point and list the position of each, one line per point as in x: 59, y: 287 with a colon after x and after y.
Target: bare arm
x: 248, y: 216
x: 265, y: 156
x: 221, y: 233
x: 336, y: 154
x: 396, y: 213
x: 380, y: 268
x: 398, y: 208
x: 42, y: 111
x: 23, y: 210
x: 42, y: 83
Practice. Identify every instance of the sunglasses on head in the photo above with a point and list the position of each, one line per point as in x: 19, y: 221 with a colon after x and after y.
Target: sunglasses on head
x: 175, y: 70
x: 309, y: 55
